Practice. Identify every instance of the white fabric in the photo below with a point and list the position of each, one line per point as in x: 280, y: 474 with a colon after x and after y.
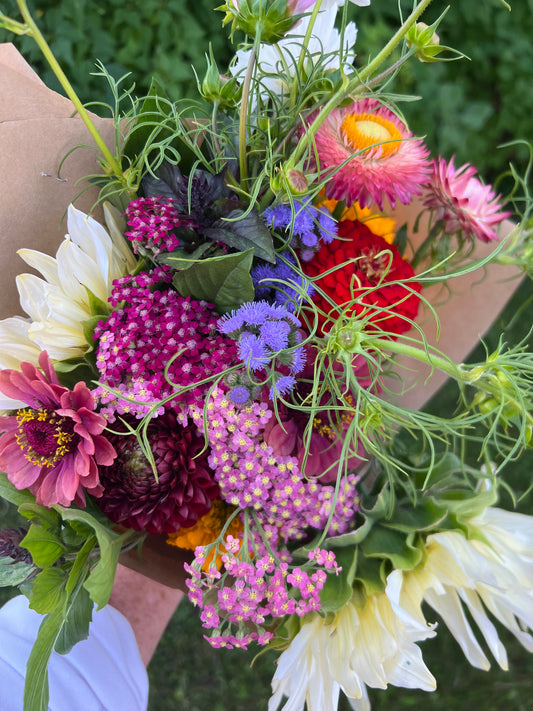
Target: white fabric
x: 103, y: 673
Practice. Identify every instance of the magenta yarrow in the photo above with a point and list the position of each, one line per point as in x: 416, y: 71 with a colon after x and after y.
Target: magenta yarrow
x: 152, y: 221
x: 55, y: 446
x: 260, y: 591
x: 156, y: 329
x: 462, y: 202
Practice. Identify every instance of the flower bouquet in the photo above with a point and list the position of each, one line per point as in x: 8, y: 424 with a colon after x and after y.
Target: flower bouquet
x: 229, y: 362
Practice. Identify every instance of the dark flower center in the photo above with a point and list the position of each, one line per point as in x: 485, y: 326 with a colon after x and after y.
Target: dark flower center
x: 43, y: 436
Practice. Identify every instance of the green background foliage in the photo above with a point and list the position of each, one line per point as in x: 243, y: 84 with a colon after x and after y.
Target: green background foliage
x: 468, y: 108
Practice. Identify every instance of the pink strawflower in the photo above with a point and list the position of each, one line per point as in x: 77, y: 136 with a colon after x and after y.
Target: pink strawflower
x: 368, y: 154
x: 462, y: 202
x: 54, y: 447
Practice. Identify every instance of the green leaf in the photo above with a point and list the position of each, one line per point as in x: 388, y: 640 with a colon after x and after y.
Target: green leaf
x: 61, y: 628
x: 337, y: 590
x: 13, y: 495
x: 79, y: 569
x: 352, y: 538
x: 44, y: 545
x: 48, y: 591
x: 180, y: 259
x: 152, y: 124
x: 424, y: 516
x: 36, y: 692
x: 42, y: 515
x: 392, y: 545
x: 100, y: 581
x: 224, y: 281
x: 370, y: 573
x: 12, y: 574
x: 76, y: 624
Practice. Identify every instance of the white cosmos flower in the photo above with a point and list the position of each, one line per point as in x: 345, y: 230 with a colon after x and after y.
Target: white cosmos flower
x: 373, y: 644
x: 325, y: 39
x: 494, y: 577
x: 58, y: 304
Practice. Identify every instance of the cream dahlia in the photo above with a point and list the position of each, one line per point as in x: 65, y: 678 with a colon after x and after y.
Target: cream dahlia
x: 462, y: 202
x: 368, y: 643
x: 368, y: 155
x: 54, y: 446
x: 490, y: 573
x: 85, y: 266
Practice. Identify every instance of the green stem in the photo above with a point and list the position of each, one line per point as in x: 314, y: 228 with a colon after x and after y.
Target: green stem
x: 358, y: 81
x: 303, y: 52
x: 468, y: 376
x: 43, y: 45
x: 243, y: 118
x: 422, y: 354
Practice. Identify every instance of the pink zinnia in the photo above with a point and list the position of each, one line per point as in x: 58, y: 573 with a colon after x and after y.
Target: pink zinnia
x: 368, y: 154
x: 54, y: 446
x: 462, y: 202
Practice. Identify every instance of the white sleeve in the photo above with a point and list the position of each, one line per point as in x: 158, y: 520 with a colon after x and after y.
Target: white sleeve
x: 103, y: 673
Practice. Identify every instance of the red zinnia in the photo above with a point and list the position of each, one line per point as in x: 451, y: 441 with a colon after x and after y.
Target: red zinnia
x: 52, y: 447
x: 369, y: 281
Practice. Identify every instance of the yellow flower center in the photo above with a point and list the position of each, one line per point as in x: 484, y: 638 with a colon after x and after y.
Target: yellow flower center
x: 365, y: 130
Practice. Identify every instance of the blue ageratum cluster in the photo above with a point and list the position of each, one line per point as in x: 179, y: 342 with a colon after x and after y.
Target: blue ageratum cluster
x: 280, y: 283
x: 268, y: 338
x: 306, y: 226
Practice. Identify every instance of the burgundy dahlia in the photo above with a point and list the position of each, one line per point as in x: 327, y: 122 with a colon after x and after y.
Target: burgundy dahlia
x: 184, y: 487
x: 55, y: 446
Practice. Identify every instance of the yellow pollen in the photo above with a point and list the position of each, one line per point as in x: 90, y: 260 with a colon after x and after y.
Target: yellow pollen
x: 365, y: 130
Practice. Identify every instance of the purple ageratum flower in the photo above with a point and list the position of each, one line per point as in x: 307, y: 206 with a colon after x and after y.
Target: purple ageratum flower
x: 272, y: 282
x: 251, y: 315
x: 268, y: 336
x: 307, y: 225
x: 252, y: 351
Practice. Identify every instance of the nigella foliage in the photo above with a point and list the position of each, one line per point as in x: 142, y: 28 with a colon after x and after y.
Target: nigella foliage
x: 218, y: 216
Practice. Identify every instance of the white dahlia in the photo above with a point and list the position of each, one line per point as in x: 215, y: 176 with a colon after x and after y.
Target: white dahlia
x: 87, y: 262
x: 490, y: 573
x: 365, y: 644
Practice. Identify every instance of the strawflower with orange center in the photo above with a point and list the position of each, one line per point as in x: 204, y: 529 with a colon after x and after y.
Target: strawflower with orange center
x: 369, y: 155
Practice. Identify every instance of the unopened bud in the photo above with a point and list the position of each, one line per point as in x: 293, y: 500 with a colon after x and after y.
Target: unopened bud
x: 425, y: 41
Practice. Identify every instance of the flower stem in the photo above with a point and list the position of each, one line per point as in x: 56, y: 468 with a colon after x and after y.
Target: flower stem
x: 35, y: 33
x: 243, y: 118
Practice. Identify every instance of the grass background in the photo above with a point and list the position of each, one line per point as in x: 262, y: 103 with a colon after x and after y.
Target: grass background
x: 468, y: 109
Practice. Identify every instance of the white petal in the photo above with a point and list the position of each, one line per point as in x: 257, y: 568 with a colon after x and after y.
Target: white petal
x: 43, y: 263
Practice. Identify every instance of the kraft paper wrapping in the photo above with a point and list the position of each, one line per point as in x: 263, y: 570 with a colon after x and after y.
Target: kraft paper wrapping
x: 37, y: 129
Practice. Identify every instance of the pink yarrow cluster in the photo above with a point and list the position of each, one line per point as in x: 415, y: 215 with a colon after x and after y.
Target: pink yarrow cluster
x: 251, y: 476
x: 261, y: 590
x: 155, y: 343
x: 152, y: 221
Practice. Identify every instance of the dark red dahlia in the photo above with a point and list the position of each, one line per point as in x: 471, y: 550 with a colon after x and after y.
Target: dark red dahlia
x: 363, y: 285
x: 185, y: 487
